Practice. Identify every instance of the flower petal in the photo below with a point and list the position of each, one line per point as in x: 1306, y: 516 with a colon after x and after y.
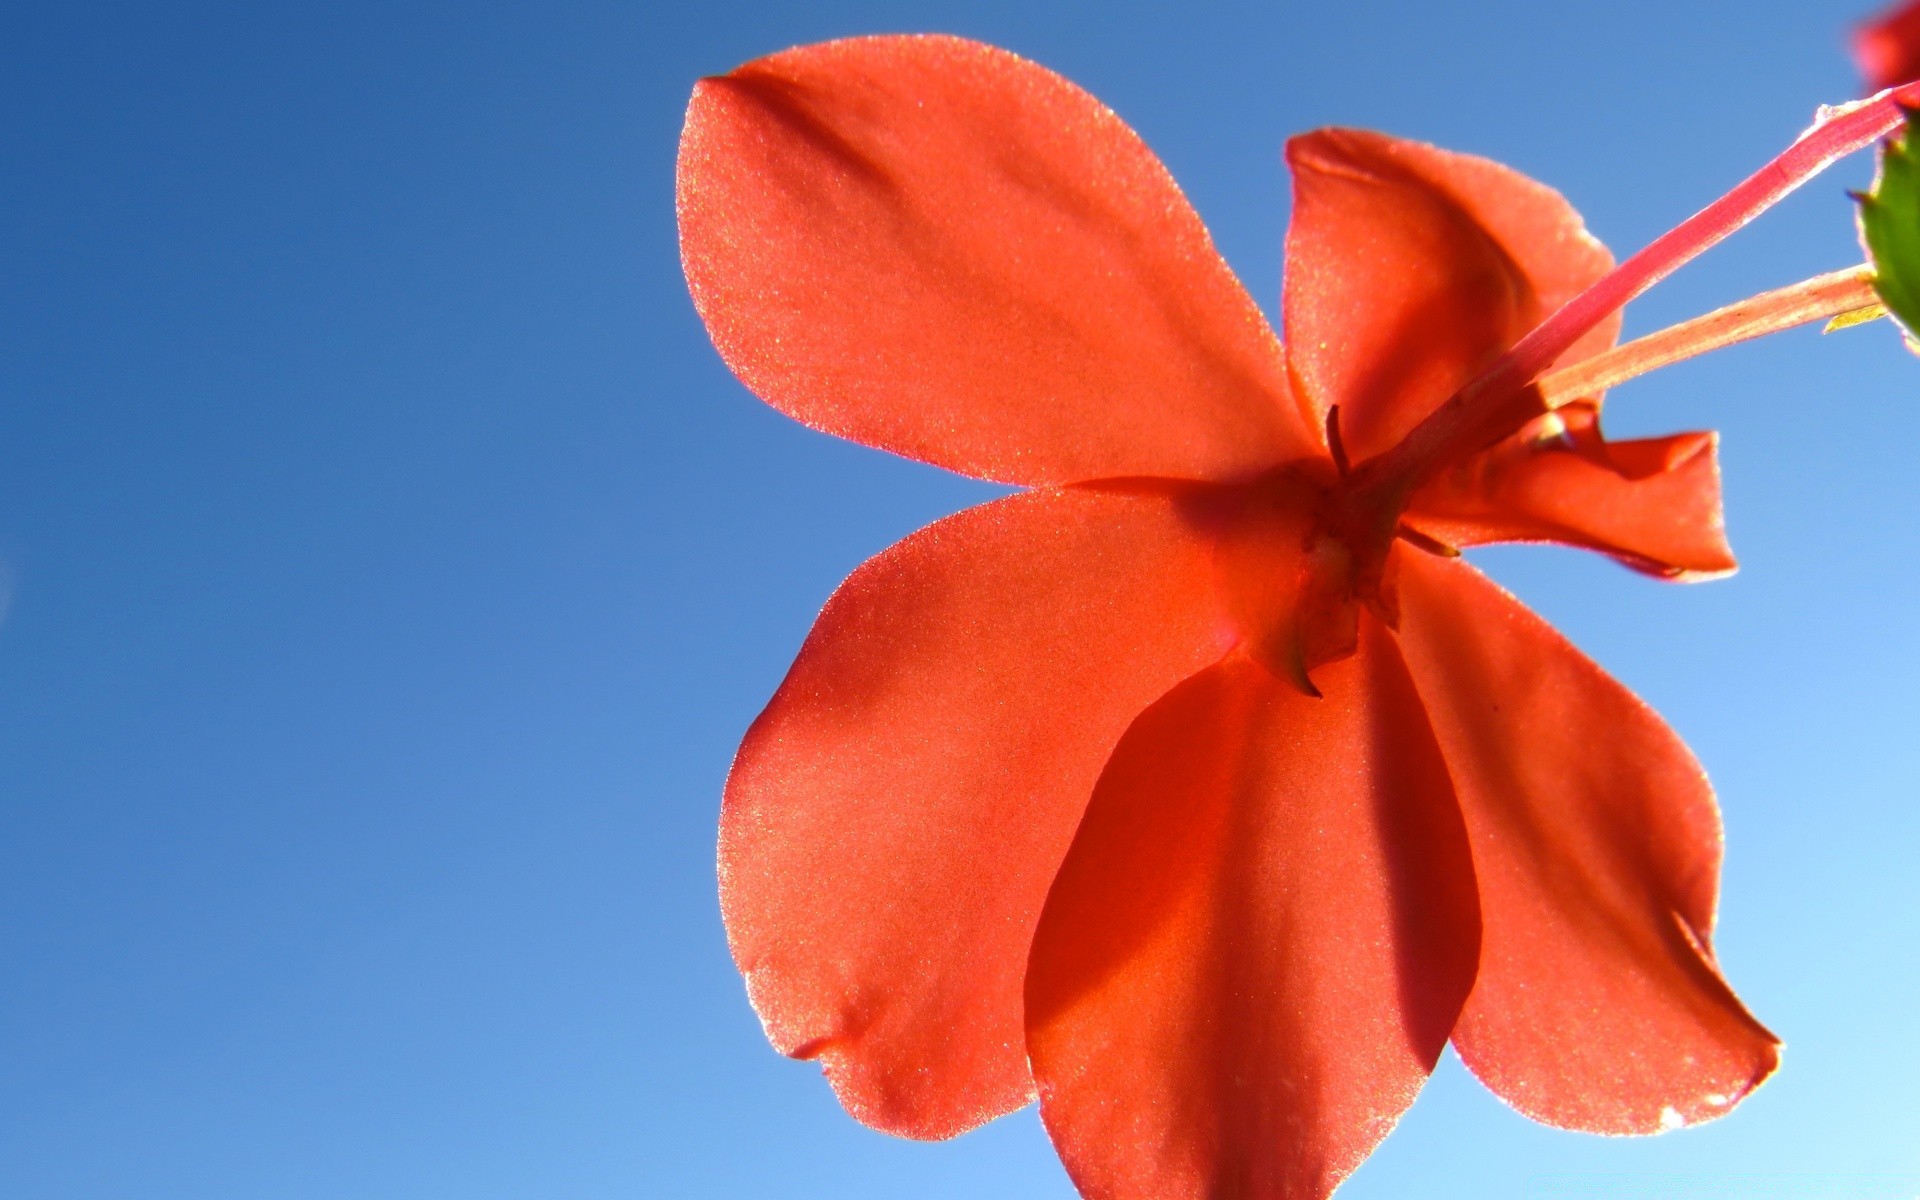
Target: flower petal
x: 1260, y: 940
x: 1596, y: 843
x: 1410, y: 268
x: 896, y: 815
x: 1887, y: 48
x: 1652, y: 503
x: 935, y: 247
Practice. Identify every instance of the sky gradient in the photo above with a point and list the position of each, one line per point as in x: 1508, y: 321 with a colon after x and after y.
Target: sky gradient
x: 389, y: 567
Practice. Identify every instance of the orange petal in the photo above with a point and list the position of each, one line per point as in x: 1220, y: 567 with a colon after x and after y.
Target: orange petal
x: 895, y: 817
x: 1888, y: 47
x: 1653, y: 503
x: 938, y: 248
x: 1596, y: 843
x: 1260, y: 941
x: 1410, y: 268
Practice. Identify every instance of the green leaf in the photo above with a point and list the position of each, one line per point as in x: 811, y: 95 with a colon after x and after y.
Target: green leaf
x: 1890, y: 227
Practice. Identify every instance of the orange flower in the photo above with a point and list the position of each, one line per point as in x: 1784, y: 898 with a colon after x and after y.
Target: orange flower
x: 1045, y: 805
x: 1888, y: 47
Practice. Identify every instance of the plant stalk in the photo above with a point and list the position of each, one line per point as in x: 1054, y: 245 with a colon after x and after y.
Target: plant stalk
x: 1486, y: 409
x: 1820, y: 298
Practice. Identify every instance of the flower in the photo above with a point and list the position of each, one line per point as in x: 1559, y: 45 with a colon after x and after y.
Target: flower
x: 1888, y: 47
x: 1048, y: 803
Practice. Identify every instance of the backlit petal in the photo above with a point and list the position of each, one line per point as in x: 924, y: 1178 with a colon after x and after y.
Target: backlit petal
x: 1410, y: 268
x: 1596, y: 843
x: 895, y: 817
x: 1652, y: 503
x: 1260, y: 941
x: 938, y: 248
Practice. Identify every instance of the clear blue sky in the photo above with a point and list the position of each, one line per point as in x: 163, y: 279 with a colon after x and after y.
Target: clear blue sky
x: 392, y: 567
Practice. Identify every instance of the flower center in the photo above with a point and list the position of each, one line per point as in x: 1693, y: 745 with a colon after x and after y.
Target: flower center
x: 1300, y: 552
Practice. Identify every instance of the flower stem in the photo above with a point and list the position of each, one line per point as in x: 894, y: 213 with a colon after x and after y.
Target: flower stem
x: 1816, y: 299
x: 1485, y: 409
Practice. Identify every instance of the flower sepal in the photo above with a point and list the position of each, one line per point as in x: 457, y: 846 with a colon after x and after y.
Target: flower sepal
x: 1890, y: 228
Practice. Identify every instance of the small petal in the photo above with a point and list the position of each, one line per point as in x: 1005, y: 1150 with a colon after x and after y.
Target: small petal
x: 1596, y: 843
x: 1410, y: 268
x: 895, y: 817
x: 1652, y: 503
x: 938, y: 248
x: 1259, y: 942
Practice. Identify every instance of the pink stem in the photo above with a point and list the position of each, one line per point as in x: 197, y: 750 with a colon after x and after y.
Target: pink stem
x: 1464, y: 421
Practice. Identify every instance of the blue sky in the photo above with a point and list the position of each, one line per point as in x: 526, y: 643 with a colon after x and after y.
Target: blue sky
x: 390, y: 567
